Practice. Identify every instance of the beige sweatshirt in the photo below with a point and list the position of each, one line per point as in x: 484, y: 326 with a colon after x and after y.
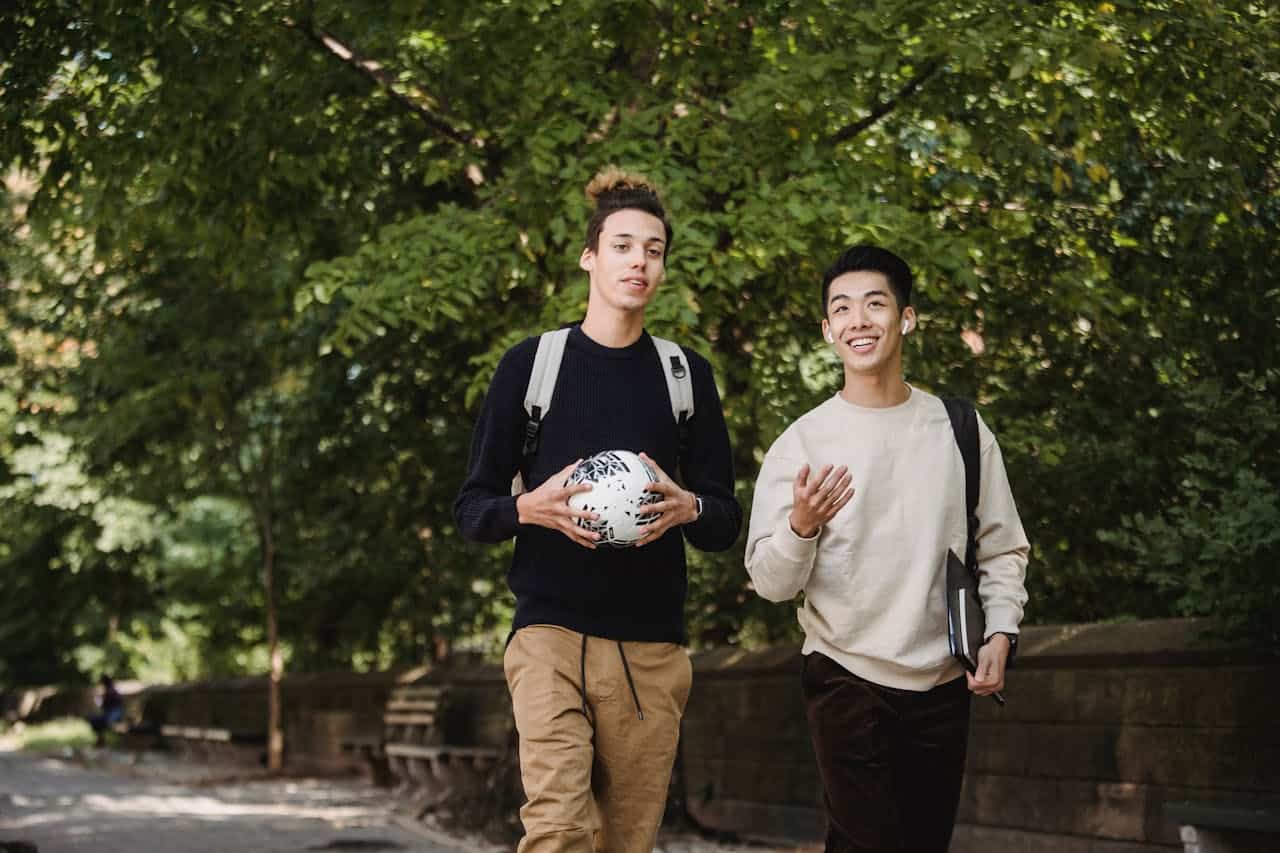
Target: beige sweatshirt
x: 873, y: 578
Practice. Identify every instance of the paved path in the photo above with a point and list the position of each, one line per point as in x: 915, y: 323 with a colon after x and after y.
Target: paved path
x: 112, y: 801
x: 108, y: 805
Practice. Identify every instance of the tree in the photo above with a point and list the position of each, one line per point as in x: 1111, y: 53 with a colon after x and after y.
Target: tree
x: 1052, y: 209
x: 291, y: 240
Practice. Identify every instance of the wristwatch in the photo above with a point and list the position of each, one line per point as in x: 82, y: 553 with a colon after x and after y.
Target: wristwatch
x: 697, y: 500
x: 1013, y: 646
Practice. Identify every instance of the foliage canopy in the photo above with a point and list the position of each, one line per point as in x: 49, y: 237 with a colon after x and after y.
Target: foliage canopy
x: 260, y: 259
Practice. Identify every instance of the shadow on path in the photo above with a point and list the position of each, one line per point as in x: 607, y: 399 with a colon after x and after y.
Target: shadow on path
x: 125, y: 803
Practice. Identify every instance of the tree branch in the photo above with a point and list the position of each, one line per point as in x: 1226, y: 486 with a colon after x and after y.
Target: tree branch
x: 414, y: 100
x: 883, y: 108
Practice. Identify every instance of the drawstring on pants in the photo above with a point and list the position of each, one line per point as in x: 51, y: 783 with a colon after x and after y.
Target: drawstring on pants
x: 626, y: 668
x: 630, y: 683
x: 582, y: 675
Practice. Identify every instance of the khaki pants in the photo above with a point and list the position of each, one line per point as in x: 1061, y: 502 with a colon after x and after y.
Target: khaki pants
x: 594, y: 779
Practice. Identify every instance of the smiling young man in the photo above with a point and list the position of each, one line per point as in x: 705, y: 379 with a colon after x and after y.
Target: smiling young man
x: 595, y: 664
x: 856, y: 505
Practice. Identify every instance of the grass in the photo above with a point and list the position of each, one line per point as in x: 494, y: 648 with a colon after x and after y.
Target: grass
x: 51, y: 736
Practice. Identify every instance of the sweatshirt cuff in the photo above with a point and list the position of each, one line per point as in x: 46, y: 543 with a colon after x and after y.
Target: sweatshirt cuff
x: 1001, y: 620
x: 792, y: 546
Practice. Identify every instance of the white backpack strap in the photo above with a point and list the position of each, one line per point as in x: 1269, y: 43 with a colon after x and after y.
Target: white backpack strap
x: 546, y: 367
x: 537, y: 397
x: 675, y: 368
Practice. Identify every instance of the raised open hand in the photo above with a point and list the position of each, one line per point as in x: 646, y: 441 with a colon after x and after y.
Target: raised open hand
x: 818, y: 497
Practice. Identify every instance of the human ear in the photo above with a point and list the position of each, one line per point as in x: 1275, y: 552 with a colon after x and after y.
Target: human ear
x: 908, y: 320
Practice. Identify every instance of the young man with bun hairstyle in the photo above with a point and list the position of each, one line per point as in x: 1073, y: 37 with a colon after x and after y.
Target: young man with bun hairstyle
x: 856, y: 506
x: 595, y: 663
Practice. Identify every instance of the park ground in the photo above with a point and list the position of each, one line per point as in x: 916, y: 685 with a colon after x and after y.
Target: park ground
x: 62, y: 795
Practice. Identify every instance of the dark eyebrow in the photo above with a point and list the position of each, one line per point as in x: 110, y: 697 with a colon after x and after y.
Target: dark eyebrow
x: 866, y: 295
x: 632, y: 237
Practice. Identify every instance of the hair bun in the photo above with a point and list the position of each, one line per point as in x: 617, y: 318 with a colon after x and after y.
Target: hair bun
x: 612, y: 179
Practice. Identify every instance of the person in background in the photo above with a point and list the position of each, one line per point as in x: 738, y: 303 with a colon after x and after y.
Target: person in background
x: 110, y: 709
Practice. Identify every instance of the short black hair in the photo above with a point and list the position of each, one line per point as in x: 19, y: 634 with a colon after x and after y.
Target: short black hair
x: 871, y: 259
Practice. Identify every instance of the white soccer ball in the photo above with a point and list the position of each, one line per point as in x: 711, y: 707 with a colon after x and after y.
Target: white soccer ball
x: 618, y: 479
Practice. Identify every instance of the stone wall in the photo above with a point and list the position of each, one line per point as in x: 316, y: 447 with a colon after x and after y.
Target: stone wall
x: 745, y: 756
x: 320, y: 711
x: 1104, y: 725
x: 38, y: 704
x: 1108, y: 723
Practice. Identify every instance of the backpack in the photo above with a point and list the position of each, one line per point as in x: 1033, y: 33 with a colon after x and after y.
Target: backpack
x: 963, y: 582
x: 542, y: 385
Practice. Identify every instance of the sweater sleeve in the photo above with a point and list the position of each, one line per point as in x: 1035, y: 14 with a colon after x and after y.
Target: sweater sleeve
x: 1002, y: 544
x: 485, y: 509
x: 706, y: 465
x: 778, y: 560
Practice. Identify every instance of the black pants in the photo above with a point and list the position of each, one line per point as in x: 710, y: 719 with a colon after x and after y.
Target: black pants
x: 891, y: 761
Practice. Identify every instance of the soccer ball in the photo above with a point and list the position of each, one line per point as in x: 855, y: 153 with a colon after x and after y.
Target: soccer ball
x: 618, y: 479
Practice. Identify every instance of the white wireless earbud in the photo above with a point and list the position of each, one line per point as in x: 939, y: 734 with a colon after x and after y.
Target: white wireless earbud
x: 830, y: 339
x: 906, y: 326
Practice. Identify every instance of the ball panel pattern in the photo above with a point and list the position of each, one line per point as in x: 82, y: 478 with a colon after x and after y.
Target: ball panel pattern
x: 618, y: 479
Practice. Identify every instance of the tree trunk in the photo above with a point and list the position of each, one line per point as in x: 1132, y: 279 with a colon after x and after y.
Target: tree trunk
x: 275, y: 735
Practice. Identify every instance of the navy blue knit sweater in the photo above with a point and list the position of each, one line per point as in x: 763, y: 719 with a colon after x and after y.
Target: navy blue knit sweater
x: 605, y: 399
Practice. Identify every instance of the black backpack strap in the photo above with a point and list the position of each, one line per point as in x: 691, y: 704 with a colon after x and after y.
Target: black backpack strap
x: 531, y: 429
x: 964, y: 424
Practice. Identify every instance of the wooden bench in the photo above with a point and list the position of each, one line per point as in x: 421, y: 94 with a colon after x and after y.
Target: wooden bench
x: 213, y: 741
x: 367, y: 750
x: 1219, y: 827
x: 196, y: 733
x: 426, y: 767
x: 361, y: 746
